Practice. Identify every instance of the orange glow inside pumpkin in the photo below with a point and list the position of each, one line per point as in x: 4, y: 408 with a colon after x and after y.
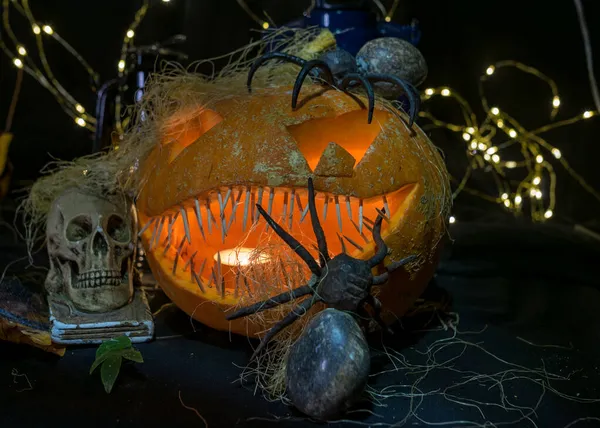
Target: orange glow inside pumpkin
x: 204, y: 243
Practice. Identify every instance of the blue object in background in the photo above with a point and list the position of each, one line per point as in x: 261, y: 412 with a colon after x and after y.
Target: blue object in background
x: 354, y: 24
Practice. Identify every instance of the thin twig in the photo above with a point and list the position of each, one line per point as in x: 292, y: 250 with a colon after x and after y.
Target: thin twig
x: 193, y: 410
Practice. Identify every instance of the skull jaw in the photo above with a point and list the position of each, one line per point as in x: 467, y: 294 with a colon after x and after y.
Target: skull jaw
x: 103, y: 298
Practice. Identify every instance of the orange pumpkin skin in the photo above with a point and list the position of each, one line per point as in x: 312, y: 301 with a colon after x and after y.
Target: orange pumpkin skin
x: 250, y: 142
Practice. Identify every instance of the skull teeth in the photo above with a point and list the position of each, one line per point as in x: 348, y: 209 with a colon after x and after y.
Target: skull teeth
x: 95, y: 279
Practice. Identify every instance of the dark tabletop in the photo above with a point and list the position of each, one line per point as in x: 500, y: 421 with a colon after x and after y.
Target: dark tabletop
x: 519, y: 347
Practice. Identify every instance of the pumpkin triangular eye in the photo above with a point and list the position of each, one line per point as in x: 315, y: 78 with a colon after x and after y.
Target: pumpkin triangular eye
x: 335, y: 162
x: 349, y: 130
x: 185, y: 128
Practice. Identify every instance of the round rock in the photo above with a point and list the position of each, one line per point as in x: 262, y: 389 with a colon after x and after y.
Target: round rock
x: 328, y: 366
x: 390, y: 55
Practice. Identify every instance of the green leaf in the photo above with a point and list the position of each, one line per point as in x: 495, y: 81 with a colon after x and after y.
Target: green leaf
x: 122, y: 342
x: 132, y: 355
x: 110, y: 371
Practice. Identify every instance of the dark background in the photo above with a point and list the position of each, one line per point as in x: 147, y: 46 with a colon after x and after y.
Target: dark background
x: 460, y: 39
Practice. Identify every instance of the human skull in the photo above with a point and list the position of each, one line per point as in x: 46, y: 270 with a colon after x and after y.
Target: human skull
x: 90, y: 247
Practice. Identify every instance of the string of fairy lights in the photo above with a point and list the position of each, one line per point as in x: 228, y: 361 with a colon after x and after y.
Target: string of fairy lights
x: 387, y: 14
x: 21, y: 57
x: 488, y: 143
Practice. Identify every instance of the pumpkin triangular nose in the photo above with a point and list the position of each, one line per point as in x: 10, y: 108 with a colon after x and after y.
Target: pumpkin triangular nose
x: 335, y: 162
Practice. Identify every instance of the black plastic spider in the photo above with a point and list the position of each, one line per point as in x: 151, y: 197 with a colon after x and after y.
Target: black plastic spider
x: 339, y: 69
x: 343, y: 283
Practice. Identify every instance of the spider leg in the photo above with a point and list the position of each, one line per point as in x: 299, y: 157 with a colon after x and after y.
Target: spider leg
x: 316, y: 224
x: 352, y: 77
x: 292, y: 242
x: 307, y: 68
x: 271, y: 302
x: 296, y: 313
x: 380, y: 279
x: 382, y: 249
x: 272, y: 55
x: 376, y: 305
x: 411, y: 92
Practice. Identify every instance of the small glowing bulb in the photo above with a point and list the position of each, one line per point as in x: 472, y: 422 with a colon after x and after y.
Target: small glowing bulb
x: 166, y: 1
x: 36, y: 29
x: 532, y: 192
x: 85, y: 171
x: 18, y: 63
x: 518, y: 200
x: 48, y: 30
x: 466, y: 136
x: 22, y: 51
x: 445, y: 92
x: 496, y: 158
x: 492, y: 150
x: 537, y: 180
x: 490, y: 70
x: 471, y: 130
x: 587, y: 114
x: 265, y: 25
x: 512, y: 133
x: 452, y: 219
x: 121, y: 65
x: 388, y: 19
x: 510, y: 164
x: 504, y: 196
x: 507, y: 203
x: 130, y: 33
x: 80, y: 121
x: 539, y: 159
x: 556, y: 101
x: 79, y: 108
x: 500, y: 123
x: 557, y: 154
x: 486, y: 157
x: 548, y: 214
x: 429, y: 91
x: 481, y: 146
x: 495, y: 111
x: 473, y: 145
x: 538, y: 194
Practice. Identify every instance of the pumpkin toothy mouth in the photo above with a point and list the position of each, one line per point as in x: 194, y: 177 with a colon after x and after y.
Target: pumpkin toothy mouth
x: 201, y: 241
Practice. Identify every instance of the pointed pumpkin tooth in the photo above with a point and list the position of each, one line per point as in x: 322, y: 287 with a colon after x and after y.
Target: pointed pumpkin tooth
x: 219, y: 276
x: 304, y: 213
x: 209, y: 216
x: 299, y: 203
x: 291, y: 217
x: 285, y: 205
x: 179, y: 248
x: 253, y: 209
x: 190, y: 261
x: 386, y: 206
x: 196, y: 278
x: 160, y: 228
x: 246, y: 207
x: 227, y: 196
x: 342, y: 243
x: 153, y: 236
x: 146, y: 226
x: 325, y: 207
x: 186, y: 225
x: 221, y: 213
x: 202, y: 266
x: 353, y: 243
x: 338, y: 212
x: 360, y: 216
x: 382, y: 214
x: 199, y: 217
x: 270, y: 208
x: 349, y: 207
x: 259, y: 202
x: 362, y: 235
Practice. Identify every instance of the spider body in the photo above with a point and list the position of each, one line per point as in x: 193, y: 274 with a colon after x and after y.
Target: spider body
x: 340, y: 69
x: 343, y: 283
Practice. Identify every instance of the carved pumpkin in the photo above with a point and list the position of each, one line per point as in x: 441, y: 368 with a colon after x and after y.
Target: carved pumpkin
x: 202, y: 183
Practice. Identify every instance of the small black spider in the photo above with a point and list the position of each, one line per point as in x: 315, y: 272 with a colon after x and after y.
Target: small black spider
x: 339, y: 69
x: 342, y: 283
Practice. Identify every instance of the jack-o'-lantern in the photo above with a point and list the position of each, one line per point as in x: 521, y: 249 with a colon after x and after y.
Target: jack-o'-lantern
x: 214, y: 164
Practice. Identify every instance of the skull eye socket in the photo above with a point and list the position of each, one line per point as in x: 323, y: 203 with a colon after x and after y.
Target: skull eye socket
x: 117, y: 229
x: 79, y: 228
